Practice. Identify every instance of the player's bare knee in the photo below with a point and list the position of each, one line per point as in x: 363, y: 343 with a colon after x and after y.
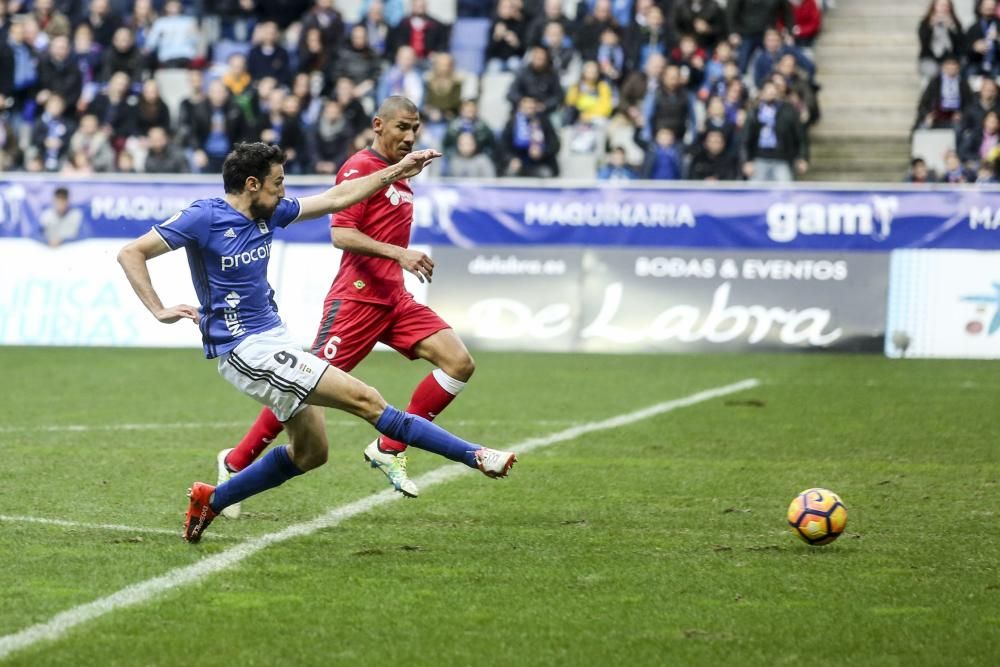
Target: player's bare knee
x: 370, y: 404
x: 461, y: 367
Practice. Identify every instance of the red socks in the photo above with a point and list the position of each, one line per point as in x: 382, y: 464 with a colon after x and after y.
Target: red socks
x: 431, y: 396
x: 261, y: 434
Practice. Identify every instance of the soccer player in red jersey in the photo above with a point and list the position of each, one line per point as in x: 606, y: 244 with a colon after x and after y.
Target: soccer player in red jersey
x: 367, y: 302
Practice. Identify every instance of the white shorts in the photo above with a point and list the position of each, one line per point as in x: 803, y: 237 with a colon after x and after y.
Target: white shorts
x: 272, y: 369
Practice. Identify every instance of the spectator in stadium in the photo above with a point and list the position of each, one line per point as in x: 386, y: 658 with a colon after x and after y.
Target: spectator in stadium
x: 282, y: 126
x: 76, y: 165
x: 123, y: 56
x: 954, y: 171
x: 151, y: 110
x: 90, y: 141
x: 330, y: 139
x: 648, y: 38
x: 103, y: 21
x: 50, y: 20
x: 283, y: 13
x: 216, y: 126
x: 140, y: 22
x: 691, y: 59
x: 324, y: 17
x: 982, y: 146
x: 116, y: 110
x: 311, y: 105
x: 529, y: 142
x: 22, y: 65
x: 775, y: 141
x: 185, y: 113
x: 267, y: 57
x: 713, y: 161
x: 236, y: 78
x: 314, y: 57
x: 376, y: 28
x: 773, y: 51
x: 611, y: 56
x: 944, y: 97
x: 538, y: 80
x: 162, y: 157
x: 421, y: 32
x: 986, y: 100
x: 587, y: 37
x: 748, y: 19
x: 443, y: 91
x: 354, y: 111
x: 808, y: 21
x: 358, y: 62
x: 797, y: 83
x: 716, y: 120
x: 402, y: 79
x: 552, y: 11
x: 58, y: 74
x: 60, y: 222
x: 986, y: 174
x: 663, y: 157
x: 468, y: 161
x: 705, y: 19
x: 125, y: 163
x: 736, y: 100
x: 468, y: 121
x: 919, y: 172
x: 562, y: 55
x: 88, y: 58
x: 173, y: 39
x: 393, y: 10
x: 617, y: 168
x: 719, y: 70
x: 591, y: 100
x: 507, y: 44
x: 672, y: 106
x: 51, y: 133
x: 11, y: 156
x: 981, y: 41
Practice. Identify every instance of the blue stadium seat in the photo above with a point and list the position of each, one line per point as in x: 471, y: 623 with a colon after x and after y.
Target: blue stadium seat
x: 224, y: 48
x: 468, y: 43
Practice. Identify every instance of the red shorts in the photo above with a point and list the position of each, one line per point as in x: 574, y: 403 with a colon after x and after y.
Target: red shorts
x: 349, y: 329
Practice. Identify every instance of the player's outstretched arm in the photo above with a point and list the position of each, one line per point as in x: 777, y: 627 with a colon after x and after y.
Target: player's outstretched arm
x: 351, y: 192
x: 133, y: 258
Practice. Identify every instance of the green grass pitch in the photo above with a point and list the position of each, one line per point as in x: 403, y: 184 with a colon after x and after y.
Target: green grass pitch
x: 663, y: 542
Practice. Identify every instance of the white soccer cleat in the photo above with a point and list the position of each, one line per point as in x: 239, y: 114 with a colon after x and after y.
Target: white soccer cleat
x: 233, y: 511
x: 495, y: 463
x: 393, y: 466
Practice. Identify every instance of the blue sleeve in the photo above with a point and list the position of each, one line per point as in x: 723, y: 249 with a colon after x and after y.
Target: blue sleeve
x: 190, y: 225
x: 286, y: 213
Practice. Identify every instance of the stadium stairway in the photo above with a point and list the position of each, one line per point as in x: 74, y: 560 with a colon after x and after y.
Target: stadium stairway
x: 867, y: 67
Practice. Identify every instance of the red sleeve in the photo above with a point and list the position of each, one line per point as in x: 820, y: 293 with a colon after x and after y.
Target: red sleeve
x: 351, y: 216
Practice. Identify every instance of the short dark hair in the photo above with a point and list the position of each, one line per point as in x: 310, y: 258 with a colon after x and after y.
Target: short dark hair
x: 395, y: 104
x: 246, y: 160
x: 61, y: 192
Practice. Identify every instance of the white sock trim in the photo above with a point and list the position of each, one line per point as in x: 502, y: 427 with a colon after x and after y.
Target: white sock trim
x: 448, y: 383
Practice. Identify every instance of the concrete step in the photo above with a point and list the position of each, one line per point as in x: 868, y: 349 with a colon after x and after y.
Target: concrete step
x: 865, y: 39
x: 858, y: 67
x: 842, y: 147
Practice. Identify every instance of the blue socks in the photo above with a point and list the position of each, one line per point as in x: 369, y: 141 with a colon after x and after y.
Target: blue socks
x: 422, y: 434
x: 273, y: 469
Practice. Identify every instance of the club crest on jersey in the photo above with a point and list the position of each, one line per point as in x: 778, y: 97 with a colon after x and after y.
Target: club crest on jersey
x: 359, y: 284
x: 262, y: 225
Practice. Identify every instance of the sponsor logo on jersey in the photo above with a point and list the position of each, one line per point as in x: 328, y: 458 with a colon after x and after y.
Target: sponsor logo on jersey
x: 232, y: 315
x: 359, y: 284
x: 349, y: 173
x: 246, y: 257
x: 262, y: 225
x: 396, y: 197
x: 230, y: 233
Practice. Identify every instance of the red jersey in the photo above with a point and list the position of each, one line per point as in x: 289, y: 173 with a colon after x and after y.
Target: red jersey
x: 386, y: 216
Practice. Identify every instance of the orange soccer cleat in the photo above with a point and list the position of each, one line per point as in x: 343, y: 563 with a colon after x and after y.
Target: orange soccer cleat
x: 199, y: 512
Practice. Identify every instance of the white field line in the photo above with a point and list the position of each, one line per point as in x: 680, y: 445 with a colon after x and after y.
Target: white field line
x: 144, y: 591
x: 339, y: 423
x: 93, y: 526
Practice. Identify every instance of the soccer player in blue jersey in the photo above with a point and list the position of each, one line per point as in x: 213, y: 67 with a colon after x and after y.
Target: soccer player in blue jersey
x: 228, y: 244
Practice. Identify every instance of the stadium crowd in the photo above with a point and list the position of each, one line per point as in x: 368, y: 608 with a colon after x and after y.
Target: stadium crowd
x: 960, y: 67
x: 658, y: 89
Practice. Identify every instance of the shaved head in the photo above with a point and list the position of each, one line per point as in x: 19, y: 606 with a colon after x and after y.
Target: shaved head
x: 393, y: 106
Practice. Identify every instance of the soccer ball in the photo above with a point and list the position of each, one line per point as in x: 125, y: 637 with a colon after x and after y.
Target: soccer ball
x: 818, y: 516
